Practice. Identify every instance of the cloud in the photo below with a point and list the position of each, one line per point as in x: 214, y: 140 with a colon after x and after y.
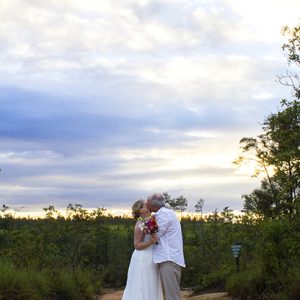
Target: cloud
x: 105, y: 102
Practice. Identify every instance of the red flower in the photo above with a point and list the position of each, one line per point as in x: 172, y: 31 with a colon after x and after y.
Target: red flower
x: 151, y: 226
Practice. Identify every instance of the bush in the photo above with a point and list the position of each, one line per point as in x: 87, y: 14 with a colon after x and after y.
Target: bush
x: 20, y: 284
x: 72, y: 285
x: 248, y: 285
x: 214, y: 282
x: 294, y: 279
x: 23, y: 284
x: 62, y: 286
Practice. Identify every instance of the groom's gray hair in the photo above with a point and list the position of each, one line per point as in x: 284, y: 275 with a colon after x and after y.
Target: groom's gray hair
x: 156, y: 200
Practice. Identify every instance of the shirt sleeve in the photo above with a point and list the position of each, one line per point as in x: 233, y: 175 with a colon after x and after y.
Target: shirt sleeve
x: 163, y: 221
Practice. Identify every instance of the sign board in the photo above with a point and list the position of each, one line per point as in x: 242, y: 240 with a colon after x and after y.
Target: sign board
x: 236, y: 250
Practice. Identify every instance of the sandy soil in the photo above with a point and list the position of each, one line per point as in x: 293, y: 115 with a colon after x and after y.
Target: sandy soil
x: 117, y: 295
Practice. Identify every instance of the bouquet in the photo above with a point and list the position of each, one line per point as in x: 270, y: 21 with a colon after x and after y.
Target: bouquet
x: 149, y: 225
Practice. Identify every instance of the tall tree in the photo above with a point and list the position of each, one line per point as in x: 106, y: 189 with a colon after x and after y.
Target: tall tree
x: 167, y: 197
x: 292, y: 51
x: 180, y: 203
x: 199, y: 206
x: 277, y: 149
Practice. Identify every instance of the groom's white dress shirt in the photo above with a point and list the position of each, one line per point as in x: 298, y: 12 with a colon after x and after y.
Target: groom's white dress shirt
x: 170, y: 247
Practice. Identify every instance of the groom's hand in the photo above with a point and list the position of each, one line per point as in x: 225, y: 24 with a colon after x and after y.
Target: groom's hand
x: 154, y: 239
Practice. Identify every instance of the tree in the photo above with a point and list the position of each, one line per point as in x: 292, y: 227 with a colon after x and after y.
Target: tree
x: 278, y: 149
x: 180, y: 203
x: 51, y: 212
x: 4, y: 208
x: 167, y: 197
x: 292, y: 51
x: 199, y: 206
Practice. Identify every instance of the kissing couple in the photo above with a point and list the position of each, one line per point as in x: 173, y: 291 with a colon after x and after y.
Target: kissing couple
x: 155, y: 268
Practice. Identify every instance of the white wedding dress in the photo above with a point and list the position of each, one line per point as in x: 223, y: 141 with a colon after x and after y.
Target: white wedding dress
x: 143, y: 280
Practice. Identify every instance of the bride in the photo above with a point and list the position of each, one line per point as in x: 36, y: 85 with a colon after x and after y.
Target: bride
x: 143, y: 280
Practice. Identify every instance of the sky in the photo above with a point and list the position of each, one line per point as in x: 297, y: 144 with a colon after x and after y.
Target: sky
x: 106, y: 102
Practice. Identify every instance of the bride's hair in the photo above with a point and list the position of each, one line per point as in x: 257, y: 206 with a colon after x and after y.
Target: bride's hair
x: 136, y: 208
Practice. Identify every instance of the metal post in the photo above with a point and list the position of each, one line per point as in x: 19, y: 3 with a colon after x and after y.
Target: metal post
x: 237, y: 261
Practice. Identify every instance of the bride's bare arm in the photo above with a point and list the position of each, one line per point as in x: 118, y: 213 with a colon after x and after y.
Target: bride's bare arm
x: 139, y: 242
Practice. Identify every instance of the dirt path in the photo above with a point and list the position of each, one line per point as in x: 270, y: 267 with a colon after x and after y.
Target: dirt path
x: 117, y: 295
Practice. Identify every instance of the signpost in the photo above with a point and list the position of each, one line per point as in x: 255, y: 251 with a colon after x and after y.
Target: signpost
x: 236, y: 248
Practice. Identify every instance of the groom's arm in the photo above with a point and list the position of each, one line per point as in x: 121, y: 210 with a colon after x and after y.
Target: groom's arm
x: 163, y: 221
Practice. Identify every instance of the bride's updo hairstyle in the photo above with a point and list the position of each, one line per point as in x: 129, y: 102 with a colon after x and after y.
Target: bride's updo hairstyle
x: 136, y: 208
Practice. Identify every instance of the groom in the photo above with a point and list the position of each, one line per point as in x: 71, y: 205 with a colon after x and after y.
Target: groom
x: 168, y: 254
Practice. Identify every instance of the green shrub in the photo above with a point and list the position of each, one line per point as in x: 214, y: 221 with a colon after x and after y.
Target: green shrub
x: 248, y: 285
x: 294, y: 284
x: 20, y: 284
x: 87, y: 284
x: 24, y: 284
x: 214, y: 281
x: 62, y: 286
x: 73, y: 285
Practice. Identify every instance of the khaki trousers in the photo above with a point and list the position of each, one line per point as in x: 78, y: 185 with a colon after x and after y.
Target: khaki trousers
x: 170, y: 274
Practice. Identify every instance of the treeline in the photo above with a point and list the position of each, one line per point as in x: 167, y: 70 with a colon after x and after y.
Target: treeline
x: 69, y: 257
x: 75, y: 256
